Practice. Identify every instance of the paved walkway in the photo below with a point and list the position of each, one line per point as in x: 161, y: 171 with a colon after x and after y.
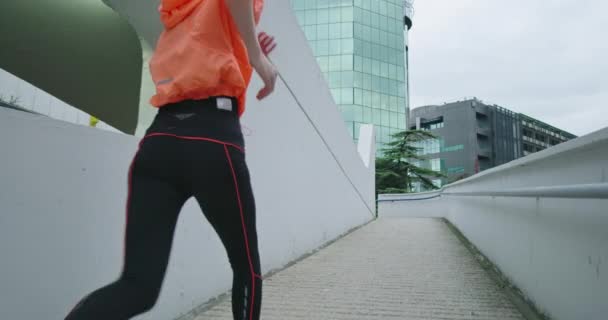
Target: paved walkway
x: 392, y: 268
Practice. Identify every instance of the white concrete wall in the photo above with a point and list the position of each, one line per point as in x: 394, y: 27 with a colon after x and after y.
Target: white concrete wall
x: 554, y: 249
x: 63, y: 189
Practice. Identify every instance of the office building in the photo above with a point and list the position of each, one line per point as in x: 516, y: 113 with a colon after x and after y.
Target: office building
x: 474, y: 136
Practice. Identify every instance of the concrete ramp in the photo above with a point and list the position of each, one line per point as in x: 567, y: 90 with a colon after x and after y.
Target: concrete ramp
x: 393, y: 268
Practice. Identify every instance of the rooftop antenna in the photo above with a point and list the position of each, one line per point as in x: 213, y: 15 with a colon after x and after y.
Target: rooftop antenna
x: 408, y: 13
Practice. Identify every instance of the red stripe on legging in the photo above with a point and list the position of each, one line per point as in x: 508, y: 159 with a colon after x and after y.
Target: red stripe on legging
x: 130, y: 175
x: 238, y: 197
x: 130, y: 191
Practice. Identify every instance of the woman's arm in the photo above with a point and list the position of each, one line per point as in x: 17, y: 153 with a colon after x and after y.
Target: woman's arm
x: 242, y: 13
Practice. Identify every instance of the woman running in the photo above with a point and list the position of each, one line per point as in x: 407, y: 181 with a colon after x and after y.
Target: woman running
x: 194, y: 148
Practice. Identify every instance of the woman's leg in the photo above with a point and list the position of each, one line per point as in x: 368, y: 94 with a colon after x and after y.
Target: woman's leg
x: 227, y: 201
x: 153, y: 206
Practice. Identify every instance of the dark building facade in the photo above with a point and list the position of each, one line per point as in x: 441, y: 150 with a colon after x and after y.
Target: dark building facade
x: 474, y: 136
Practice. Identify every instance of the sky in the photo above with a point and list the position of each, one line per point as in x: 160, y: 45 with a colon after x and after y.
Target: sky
x: 544, y: 58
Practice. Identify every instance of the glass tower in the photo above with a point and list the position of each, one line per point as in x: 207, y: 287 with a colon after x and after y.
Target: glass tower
x: 359, y: 45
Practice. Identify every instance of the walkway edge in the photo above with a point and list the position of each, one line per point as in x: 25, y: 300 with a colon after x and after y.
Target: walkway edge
x: 527, y: 308
x: 192, y: 314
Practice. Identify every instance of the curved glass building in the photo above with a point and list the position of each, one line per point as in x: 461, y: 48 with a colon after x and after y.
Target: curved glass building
x: 361, y: 47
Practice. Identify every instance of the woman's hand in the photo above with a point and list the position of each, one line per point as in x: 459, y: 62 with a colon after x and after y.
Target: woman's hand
x: 242, y: 14
x: 267, y: 71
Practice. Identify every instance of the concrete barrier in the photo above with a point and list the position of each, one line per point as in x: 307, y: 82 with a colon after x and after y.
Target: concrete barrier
x: 542, y: 220
x: 419, y: 205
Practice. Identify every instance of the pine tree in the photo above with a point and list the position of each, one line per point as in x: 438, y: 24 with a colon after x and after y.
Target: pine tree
x: 395, y: 170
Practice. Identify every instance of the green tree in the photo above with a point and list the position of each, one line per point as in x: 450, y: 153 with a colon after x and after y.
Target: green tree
x: 396, y: 172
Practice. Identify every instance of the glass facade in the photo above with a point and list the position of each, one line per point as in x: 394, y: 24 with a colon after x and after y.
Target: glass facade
x: 359, y: 45
x: 435, y: 164
x: 429, y: 146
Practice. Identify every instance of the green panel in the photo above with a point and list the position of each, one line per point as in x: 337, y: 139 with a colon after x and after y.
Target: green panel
x: 82, y: 52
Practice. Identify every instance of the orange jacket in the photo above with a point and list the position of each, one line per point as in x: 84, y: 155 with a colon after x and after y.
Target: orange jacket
x: 200, y: 53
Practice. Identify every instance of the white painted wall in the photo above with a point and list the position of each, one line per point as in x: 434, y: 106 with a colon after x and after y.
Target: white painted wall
x: 63, y: 188
x: 554, y: 249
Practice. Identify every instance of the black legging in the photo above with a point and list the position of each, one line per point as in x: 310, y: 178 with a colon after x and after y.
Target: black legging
x: 193, y: 149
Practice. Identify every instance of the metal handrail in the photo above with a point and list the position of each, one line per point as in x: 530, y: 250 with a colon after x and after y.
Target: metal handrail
x: 409, y: 199
x: 410, y: 196
x: 576, y: 191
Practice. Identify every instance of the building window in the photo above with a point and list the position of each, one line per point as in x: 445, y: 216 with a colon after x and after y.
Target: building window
x: 436, y: 165
x: 436, y: 125
x: 429, y: 146
x: 432, y: 125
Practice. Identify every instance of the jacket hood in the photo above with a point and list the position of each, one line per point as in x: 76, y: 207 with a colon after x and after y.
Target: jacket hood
x: 172, y: 12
